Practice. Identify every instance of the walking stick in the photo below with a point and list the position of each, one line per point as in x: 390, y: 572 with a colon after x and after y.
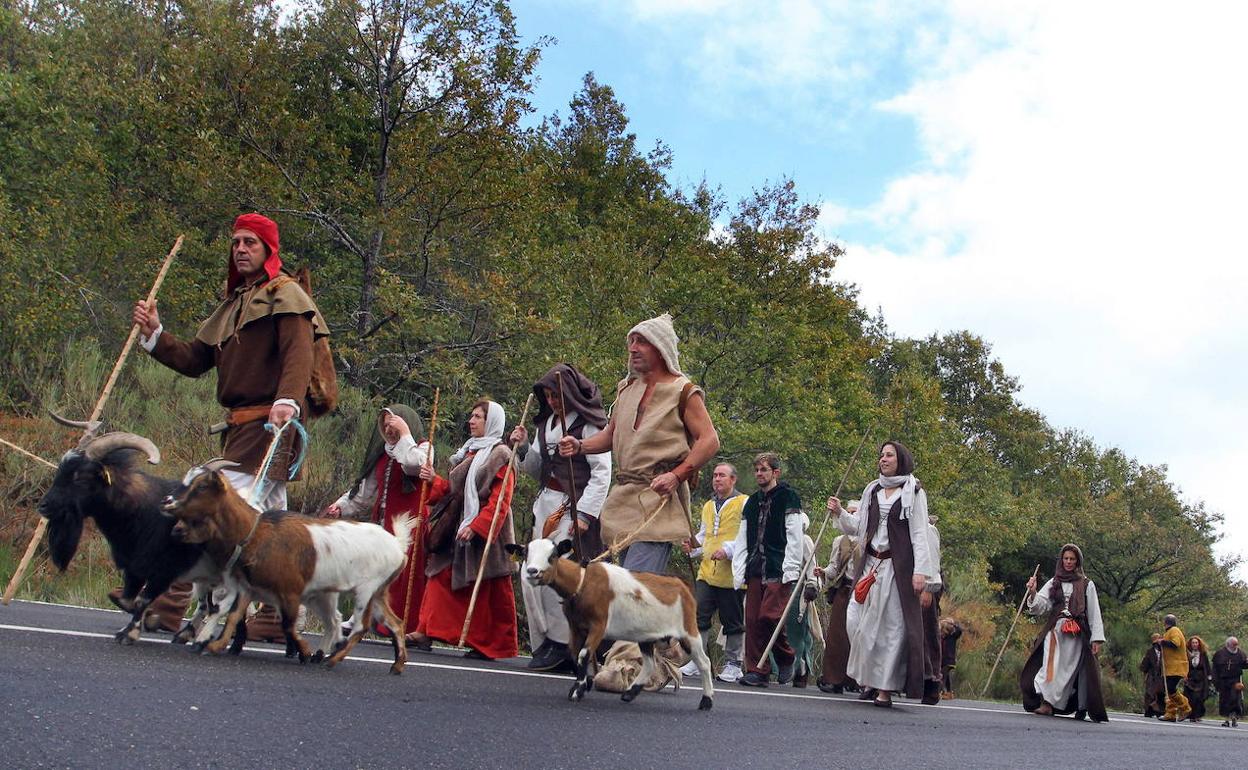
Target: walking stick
x: 788, y: 605
x: 420, y: 511
x: 572, y: 493
x: 95, y: 414
x: 29, y: 454
x: 489, y: 541
x: 988, y: 681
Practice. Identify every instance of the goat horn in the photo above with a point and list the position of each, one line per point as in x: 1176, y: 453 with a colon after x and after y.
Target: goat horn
x: 217, y: 463
x: 101, y: 446
x: 89, y: 427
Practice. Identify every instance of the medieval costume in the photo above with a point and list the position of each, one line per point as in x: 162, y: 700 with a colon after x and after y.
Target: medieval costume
x: 647, y: 441
x: 1154, y: 682
x: 767, y: 560
x: 930, y: 608
x: 260, y: 340
x: 589, y: 477
x: 1229, y: 664
x: 388, y: 485
x: 1061, y: 670
x: 477, y: 498
x: 714, y: 589
x: 1174, y: 668
x: 886, y: 647
x: 950, y: 632
x: 802, y: 617
x: 1199, y: 675
x: 837, y: 577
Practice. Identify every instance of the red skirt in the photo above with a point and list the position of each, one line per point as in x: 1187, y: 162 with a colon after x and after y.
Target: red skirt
x: 493, y: 629
x: 403, y: 604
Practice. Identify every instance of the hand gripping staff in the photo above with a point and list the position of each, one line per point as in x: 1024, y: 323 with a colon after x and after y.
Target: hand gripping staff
x: 95, y: 415
x: 420, y: 509
x: 775, y: 634
x: 498, y: 507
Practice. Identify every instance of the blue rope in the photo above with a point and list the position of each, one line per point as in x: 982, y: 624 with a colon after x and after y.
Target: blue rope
x: 262, y: 476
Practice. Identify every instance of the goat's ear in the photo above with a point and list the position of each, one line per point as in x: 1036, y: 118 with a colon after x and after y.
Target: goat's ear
x: 517, y: 552
x: 563, y: 547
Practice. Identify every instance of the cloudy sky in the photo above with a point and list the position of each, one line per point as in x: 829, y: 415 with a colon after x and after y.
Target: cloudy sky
x: 1066, y: 180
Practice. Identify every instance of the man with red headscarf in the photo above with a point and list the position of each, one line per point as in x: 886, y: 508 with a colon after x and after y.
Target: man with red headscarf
x: 260, y: 340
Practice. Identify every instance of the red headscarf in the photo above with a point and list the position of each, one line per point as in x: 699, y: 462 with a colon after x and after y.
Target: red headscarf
x: 267, y: 230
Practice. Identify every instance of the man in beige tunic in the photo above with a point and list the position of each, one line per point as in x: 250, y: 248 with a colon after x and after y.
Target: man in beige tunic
x: 659, y: 434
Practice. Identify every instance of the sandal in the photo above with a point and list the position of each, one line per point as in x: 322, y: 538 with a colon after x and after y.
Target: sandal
x: 419, y: 641
x: 883, y: 700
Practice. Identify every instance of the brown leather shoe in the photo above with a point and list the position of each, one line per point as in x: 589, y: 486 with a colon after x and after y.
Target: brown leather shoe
x: 1045, y: 710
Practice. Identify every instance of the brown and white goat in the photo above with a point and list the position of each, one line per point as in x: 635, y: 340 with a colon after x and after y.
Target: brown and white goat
x: 287, y: 559
x: 603, y: 601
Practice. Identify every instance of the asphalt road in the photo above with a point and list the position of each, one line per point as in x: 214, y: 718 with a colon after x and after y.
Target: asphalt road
x: 71, y: 697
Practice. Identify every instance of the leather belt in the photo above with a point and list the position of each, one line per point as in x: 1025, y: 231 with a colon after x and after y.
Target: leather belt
x: 553, y: 483
x: 887, y: 553
x: 241, y: 416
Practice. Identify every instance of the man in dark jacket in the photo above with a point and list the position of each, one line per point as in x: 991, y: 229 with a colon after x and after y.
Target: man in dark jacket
x: 767, y: 560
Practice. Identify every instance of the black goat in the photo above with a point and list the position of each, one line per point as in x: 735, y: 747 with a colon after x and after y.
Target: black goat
x: 100, y: 479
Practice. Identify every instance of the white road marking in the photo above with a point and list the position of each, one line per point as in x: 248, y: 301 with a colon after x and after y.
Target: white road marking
x: 1118, y: 718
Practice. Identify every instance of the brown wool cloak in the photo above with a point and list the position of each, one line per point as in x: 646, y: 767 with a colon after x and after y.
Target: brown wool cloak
x: 465, y: 561
x: 1086, y: 695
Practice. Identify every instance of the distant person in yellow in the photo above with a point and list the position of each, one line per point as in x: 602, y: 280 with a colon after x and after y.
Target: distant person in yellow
x: 715, y: 592
x: 1174, y: 665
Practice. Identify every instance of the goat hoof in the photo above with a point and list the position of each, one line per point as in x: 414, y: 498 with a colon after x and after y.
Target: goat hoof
x: 705, y: 704
x: 630, y: 693
x: 304, y: 658
x: 576, y: 693
x: 198, y: 647
x: 396, y: 669
x: 318, y: 656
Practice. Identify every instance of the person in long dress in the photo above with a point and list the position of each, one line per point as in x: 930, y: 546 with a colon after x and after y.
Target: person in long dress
x: 1061, y: 675
x: 477, y: 498
x: 1199, y: 676
x: 389, y: 485
x: 894, y: 563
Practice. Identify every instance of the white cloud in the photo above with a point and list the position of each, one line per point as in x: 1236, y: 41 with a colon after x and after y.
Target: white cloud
x: 1080, y: 205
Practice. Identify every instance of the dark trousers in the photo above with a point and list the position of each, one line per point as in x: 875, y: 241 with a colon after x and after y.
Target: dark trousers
x: 764, y: 608
x: 726, y: 601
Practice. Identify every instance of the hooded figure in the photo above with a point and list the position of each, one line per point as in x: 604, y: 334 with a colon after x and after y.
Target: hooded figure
x: 583, y: 479
x: 1061, y: 675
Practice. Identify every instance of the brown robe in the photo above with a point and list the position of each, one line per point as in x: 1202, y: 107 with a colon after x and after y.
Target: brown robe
x: 918, y: 662
x: 1086, y: 695
x: 464, y: 561
x: 260, y: 343
x: 1228, y: 669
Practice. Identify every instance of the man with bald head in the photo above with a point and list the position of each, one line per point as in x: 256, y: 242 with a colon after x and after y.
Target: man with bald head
x: 1229, y: 664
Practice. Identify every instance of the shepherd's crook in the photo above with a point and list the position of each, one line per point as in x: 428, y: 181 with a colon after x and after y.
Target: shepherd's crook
x: 801, y: 576
x: 95, y: 414
x: 498, y: 507
x: 420, y: 511
x: 988, y: 681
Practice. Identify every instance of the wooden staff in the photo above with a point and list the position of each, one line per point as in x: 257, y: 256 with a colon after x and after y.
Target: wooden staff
x: 801, y: 576
x: 498, y: 507
x: 29, y: 454
x: 572, y: 494
x: 95, y: 414
x: 988, y: 681
x: 420, y: 512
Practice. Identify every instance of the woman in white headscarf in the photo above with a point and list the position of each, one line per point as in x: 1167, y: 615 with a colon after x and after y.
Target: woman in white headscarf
x: 466, y: 506
x: 893, y: 565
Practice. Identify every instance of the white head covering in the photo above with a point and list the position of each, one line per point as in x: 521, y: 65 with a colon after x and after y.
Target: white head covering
x: 660, y: 333
x: 495, y: 421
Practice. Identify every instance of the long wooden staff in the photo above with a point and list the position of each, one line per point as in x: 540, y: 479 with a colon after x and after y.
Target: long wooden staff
x: 801, y: 576
x: 572, y: 493
x: 498, y: 507
x: 420, y: 512
x: 993, y: 670
x: 28, y: 453
x: 95, y: 414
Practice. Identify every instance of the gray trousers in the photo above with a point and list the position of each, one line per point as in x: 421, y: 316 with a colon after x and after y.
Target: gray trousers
x: 646, y: 557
